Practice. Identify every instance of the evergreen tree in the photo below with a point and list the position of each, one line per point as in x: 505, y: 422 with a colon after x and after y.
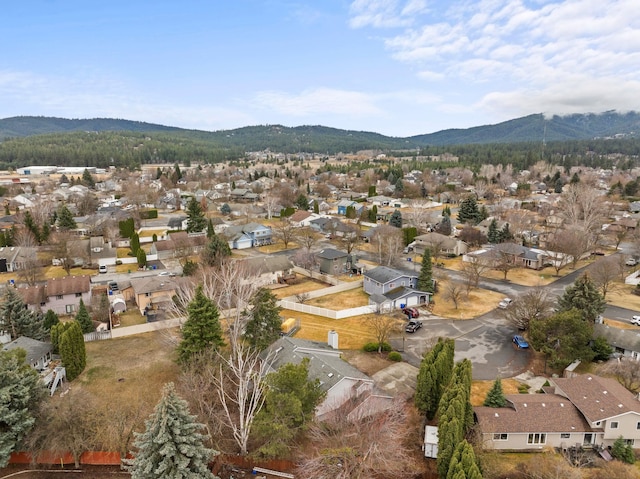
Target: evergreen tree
x: 225, y: 209
x: 444, y: 227
x: 302, y: 202
x: 31, y: 225
x: 172, y: 445
x: 396, y: 219
x: 21, y: 390
x: 50, y: 320
x: 141, y: 257
x: 372, y: 191
x: 584, y: 296
x: 399, y: 187
x: 505, y: 233
x: 216, y: 251
x: 134, y: 243
x: 201, y: 331
x: 17, y: 320
x: 83, y: 319
x: 196, y: 221
x: 623, y: 451
x: 316, y: 207
x: 434, y: 376
x: 468, y: 212
x: 425, y: 280
x: 373, y: 214
x: 127, y: 228
x: 290, y: 402
x: 493, y: 234
x: 557, y: 187
x: 464, y: 464
x: 264, y: 325
x: 210, y: 230
x: 72, y: 348
x: 177, y: 171
x: 87, y: 179
x: 449, y: 436
x: 65, y: 219
x: 495, y: 396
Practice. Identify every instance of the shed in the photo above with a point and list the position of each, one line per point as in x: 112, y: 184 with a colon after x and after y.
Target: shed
x: 430, y: 446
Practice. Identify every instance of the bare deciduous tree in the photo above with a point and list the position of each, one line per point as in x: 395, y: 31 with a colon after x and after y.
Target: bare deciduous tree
x: 626, y: 371
x: 307, y: 237
x: 472, y: 271
x: 350, y: 239
x: 536, y: 303
x: 605, y: 273
x: 454, y: 292
x: 382, y: 325
x: 388, y: 244
x: 372, y: 446
x: 284, y: 231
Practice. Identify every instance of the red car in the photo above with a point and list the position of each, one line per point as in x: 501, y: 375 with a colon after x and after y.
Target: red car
x: 411, y: 312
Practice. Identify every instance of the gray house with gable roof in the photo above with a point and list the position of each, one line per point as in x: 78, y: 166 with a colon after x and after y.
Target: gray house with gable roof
x: 348, y: 390
x: 389, y: 288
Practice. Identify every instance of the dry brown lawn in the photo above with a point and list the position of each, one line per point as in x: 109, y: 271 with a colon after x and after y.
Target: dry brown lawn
x: 128, y: 369
x: 353, y: 333
x: 479, y: 301
x: 303, y: 285
x: 276, y: 247
x: 51, y: 272
x: 347, y: 299
x: 479, y: 389
x: 150, y: 233
x: 368, y: 363
x: 131, y: 317
x: 621, y: 296
x: 621, y: 324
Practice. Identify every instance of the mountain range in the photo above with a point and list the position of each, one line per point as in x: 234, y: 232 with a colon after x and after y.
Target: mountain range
x: 531, y: 128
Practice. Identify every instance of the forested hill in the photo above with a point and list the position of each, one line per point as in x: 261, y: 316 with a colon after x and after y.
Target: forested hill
x: 105, y: 142
x: 532, y: 128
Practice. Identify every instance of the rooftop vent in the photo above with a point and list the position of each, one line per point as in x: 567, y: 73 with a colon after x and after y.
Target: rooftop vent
x: 497, y: 415
x: 330, y: 375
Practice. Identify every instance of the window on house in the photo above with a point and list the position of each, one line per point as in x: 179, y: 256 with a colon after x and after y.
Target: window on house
x: 59, y: 296
x: 638, y: 425
x: 78, y: 295
x: 565, y: 435
x: 629, y: 442
x: 147, y: 294
x: 500, y: 436
x: 537, y: 438
x: 43, y: 303
x: 70, y: 308
x: 614, y: 424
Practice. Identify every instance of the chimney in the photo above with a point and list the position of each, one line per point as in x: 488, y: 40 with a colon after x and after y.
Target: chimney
x: 333, y: 339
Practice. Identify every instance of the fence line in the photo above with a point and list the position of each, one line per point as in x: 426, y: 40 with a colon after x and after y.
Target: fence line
x: 97, y: 336
x: 327, y: 313
x: 146, y: 327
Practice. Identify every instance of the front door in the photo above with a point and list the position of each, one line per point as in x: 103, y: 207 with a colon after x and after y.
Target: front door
x: 588, y: 439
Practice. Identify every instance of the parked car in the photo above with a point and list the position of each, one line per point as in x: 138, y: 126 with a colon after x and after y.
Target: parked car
x: 520, y: 342
x: 167, y: 273
x: 413, y: 326
x: 407, y: 249
x: 635, y: 320
x: 102, y: 269
x: 113, y: 286
x: 631, y: 262
x: 505, y: 303
x: 411, y: 312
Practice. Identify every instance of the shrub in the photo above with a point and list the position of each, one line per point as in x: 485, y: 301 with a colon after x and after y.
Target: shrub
x: 118, y: 262
x: 373, y: 347
x: 395, y: 356
x: 524, y: 388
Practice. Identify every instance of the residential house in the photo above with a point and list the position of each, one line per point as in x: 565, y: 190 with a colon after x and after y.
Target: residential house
x: 332, y: 261
x: 301, y: 218
x: 269, y: 269
x: 243, y: 194
x: 154, y: 293
x: 64, y: 294
x: 38, y: 352
x: 436, y: 242
x: 101, y: 252
x: 389, y: 288
x: 249, y: 235
x: 624, y: 341
x: 348, y: 391
x: 35, y: 297
x: 178, y: 245
x: 586, y: 410
x: 177, y: 223
x: 15, y: 258
x: 515, y: 254
x: 344, y: 204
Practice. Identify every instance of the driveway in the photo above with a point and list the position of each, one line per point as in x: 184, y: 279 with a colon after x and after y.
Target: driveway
x: 485, y: 341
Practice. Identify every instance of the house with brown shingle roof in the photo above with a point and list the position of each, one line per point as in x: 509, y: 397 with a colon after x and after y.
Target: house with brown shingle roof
x: 587, y: 410
x: 64, y: 294
x: 153, y: 293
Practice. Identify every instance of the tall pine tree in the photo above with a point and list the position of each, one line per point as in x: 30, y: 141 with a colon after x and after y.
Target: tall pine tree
x: 468, y: 212
x: 196, y: 220
x: 17, y: 320
x: 584, y: 296
x: 72, y: 348
x: 65, y: 219
x: 425, y: 280
x: 172, y: 445
x: 493, y: 233
x: 495, y: 396
x: 201, y: 330
x: 265, y: 324
x: 83, y: 319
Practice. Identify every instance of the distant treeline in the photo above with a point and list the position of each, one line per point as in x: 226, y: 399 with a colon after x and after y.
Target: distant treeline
x: 131, y: 149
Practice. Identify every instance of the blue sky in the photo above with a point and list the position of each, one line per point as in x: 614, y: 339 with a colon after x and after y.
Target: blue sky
x: 395, y: 67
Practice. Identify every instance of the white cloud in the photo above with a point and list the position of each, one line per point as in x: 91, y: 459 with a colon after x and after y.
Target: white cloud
x: 568, y: 55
